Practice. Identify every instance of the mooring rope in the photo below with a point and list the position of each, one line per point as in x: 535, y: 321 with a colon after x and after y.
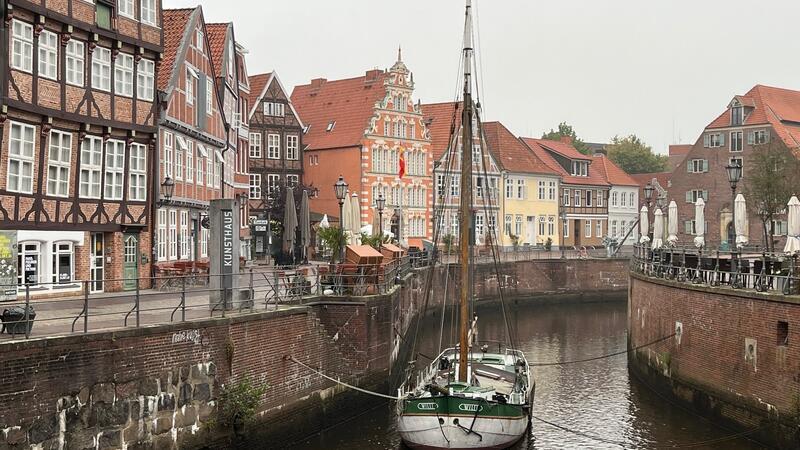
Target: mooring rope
x: 338, y: 381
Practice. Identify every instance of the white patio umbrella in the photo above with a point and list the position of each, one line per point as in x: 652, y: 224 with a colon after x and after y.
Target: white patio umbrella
x: 325, y: 223
x: 672, y: 223
x: 741, y: 222
x: 355, y: 220
x: 700, y: 223
x: 344, y: 221
x: 793, y: 238
x: 658, y: 230
x: 644, y: 226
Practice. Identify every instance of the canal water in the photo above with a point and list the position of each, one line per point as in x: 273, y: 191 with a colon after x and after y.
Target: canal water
x: 599, y: 401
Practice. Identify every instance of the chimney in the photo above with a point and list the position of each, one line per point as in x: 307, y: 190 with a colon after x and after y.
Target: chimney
x: 566, y: 140
x: 600, y: 152
x: 372, y: 75
x: 317, y: 83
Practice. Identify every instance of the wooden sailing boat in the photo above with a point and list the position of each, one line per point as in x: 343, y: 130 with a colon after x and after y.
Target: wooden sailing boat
x: 467, y: 398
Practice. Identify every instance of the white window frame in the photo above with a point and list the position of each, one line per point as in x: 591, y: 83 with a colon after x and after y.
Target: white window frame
x: 184, y: 233
x: 123, y: 75
x: 587, y: 228
x: 22, y: 46
x: 161, y: 245
x: 210, y: 169
x: 145, y: 76
x: 255, y: 145
x: 255, y: 186
x: 179, y: 158
x: 172, y: 229
x: 169, y: 143
x: 201, y: 153
x: 190, y: 162
x: 188, y: 88
x: 274, y: 146
x: 199, y: 39
x: 125, y: 8
x: 48, y: 55
x: 75, y: 60
x: 21, y: 152
x: 137, y: 172
x: 147, y: 12
x: 91, y: 167
x: 292, y: 147
x: 101, y: 69
x: 203, y: 243
x: 292, y: 180
x: 209, y: 97
x: 599, y: 230
x: 115, y: 170
x: 736, y: 141
x: 59, y: 158
x: 273, y: 182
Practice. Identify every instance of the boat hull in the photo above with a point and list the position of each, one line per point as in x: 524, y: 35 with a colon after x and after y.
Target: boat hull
x: 460, y: 423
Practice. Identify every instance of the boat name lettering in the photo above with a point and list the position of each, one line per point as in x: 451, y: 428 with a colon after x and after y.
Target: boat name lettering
x: 471, y: 407
x: 426, y: 406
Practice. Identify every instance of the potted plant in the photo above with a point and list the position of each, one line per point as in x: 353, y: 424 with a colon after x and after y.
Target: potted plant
x: 548, y: 244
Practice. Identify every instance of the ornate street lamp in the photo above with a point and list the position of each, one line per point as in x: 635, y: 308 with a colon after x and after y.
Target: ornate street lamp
x: 380, y: 202
x: 167, y: 190
x: 734, y: 171
x: 340, y: 189
x: 648, y: 193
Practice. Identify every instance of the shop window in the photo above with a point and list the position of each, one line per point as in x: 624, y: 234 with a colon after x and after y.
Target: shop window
x: 28, y: 257
x: 62, y: 263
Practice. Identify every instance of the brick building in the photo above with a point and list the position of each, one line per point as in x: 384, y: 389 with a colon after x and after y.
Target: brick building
x: 584, y: 191
x: 233, y: 87
x: 193, y: 137
x: 361, y: 128
x: 761, y: 116
x: 443, y: 121
x: 276, y: 152
x: 78, y: 126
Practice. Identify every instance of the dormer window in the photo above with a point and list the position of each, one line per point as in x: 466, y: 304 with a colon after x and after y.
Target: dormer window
x: 737, y: 115
x: 580, y: 168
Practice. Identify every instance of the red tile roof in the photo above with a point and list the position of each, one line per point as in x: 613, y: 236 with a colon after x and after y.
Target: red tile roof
x: 216, y: 34
x: 510, y: 153
x: 348, y: 104
x: 614, y: 175
x: 175, y: 21
x: 444, y: 118
x: 771, y: 106
x: 543, y: 148
x: 257, y: 84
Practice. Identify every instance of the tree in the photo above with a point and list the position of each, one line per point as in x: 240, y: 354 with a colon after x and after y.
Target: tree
x: 769, y: 183
x: 566, y: 130
x: 634, y: 156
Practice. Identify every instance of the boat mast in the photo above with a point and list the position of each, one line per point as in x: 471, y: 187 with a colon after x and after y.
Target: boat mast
x: 465, y: 229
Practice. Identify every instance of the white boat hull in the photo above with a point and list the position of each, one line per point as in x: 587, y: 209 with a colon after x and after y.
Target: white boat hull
x: 427, y: 432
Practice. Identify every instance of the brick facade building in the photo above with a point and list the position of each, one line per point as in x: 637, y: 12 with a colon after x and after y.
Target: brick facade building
x: 361, y: 128
x: 193, y: 137
x: 763, y: 116
x: 78, y: 126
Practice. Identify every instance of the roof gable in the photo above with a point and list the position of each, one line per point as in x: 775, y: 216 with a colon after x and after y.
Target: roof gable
x: 613, y: 174
x: 218, y: 35
x: 176, y: 42
x: 443, y: 119
x: 260, y: 84
x: 511, y: 153
x: 543, y: 148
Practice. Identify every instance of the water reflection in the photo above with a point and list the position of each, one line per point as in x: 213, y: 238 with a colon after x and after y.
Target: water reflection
x: 597, y: 398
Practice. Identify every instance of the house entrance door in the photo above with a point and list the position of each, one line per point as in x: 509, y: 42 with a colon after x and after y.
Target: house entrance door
x: 130, y: 261
x: 577, y: 233
x: 97, y: 262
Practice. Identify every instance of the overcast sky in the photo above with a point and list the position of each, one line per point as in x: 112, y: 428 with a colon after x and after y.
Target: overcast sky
x: 662, y: 69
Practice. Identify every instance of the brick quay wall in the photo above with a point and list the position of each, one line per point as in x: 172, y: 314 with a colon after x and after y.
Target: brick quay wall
x: 735, y: 357
x: 159, y: 386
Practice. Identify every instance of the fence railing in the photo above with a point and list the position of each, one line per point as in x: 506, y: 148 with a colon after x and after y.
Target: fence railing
x: 745, y: 268
x: 177, y: 298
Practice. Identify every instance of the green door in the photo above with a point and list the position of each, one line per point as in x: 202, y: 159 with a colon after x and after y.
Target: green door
x: 130, y: 265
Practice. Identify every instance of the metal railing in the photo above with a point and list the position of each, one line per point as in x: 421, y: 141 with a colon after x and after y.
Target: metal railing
x: 48, y: 309
x: 746, y: 268
x: 534, y: 253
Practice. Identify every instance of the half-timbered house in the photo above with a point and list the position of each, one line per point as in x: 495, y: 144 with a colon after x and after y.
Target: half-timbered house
x: 192, y: 140
x: 78, y: 126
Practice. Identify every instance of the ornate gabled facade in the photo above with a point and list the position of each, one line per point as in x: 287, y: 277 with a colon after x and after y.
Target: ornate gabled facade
x: 275, y: 146
x: 233, y: 87
x: 193, y: 139
x: 78, y: 126
x: 444, y: 124
x: 361, y: 128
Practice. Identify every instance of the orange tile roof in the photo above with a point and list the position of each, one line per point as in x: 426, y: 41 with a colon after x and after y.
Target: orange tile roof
x: 773, y: 106
x: 257, y: 84
x: 444, y: 119
x: 614, y: 175
x: 348, y: 104
x: 175, y: 21
x: 510, y: 153
x: 542, y: 149
x: 216, y: 34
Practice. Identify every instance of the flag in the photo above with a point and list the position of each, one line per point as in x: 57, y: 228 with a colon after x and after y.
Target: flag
x: 402, y: 163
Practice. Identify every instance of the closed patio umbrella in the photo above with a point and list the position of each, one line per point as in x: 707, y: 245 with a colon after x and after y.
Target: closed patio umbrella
x: 344, y: 221
x: 305, y: 223
x: 644, y: 226
x: 741, y: 222
x: 355, y: 220
x: 700, y: 223
x: 324, y: 223
x: 672, y: 223
x: 658, y: 230
x: 793, y: 238
x: 289, y: 222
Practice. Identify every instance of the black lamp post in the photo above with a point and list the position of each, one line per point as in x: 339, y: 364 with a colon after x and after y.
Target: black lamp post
x: 167, y: 190
x: 648, y: 198
x: 734, y: 171
x: 340, y: 189
x: 380, y: 202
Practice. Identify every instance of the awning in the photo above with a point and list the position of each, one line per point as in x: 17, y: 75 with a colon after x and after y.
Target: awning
x: 182, y: 143
x: 202, y: 150
x: 192, y: 71
x: 219, y: 155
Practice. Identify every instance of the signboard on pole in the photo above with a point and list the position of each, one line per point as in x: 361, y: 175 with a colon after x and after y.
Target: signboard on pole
x: 8, y: 266
x: 227, y: 247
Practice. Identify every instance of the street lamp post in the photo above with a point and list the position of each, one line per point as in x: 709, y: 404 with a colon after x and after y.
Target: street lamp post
x: 648, y: 197
x: 340, y: 189
x: 380, y: 202
x: 167, y: 190
x: 734, y: 171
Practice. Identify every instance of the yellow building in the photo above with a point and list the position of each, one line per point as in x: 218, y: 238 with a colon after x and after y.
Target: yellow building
x: 529, y: 207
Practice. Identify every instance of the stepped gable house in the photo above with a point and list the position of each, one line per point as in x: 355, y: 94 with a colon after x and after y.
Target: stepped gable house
x: 276, y: 153
x: 361, y: 128
x: 193, y: 137
x: 584, y: 191
x: 78, y: 126
x: 762, y: 117
x: 233, y: 87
